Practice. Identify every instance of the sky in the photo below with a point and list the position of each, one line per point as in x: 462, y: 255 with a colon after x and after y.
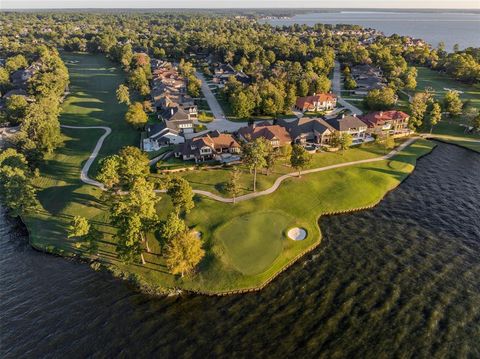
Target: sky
x: 435, y: 4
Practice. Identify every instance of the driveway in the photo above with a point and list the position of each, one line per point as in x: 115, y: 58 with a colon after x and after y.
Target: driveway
x: 220, y: 122
x: 337, y: 88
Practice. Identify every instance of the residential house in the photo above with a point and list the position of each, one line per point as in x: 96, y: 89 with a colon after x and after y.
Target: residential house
x: 178, y: 118
x: 307, y: 130
x: 387, y: 122
x: 367, y: 78
x: 211, y: 146
x: 351, y: 125
x: 160, y: 135
x: 224, y: 71
x: 277, y: 135
x: 317, y: 102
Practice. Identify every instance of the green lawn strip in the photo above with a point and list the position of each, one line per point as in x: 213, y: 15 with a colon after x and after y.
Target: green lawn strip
x: 214, y: 180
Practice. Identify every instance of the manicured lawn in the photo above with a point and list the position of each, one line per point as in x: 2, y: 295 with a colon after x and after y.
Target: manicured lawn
x: 62, y: 195
x: 214, y: 180
x: 253, y: 241
x: 438, y: 81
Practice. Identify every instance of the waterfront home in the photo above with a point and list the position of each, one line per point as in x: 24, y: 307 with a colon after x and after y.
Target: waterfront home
x: 351, y: 125
x: 307, y: 131
x: 317, y: 102
x: 277, y: 135
x: 214, y: 145
x: 392, y: 122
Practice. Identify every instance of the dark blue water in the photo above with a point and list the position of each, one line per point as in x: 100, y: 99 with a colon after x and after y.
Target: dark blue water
x: 433, y: 27
x: 401, y: 280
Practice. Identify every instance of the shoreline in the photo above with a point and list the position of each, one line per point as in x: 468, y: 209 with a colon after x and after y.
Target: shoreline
x: 141, y: 285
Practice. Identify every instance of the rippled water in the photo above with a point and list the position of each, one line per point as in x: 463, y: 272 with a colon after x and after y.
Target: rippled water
x: 400, y: 280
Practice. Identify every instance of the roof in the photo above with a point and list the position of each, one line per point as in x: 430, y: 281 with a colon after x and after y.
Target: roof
x: 308, y: 101
x: 18, y: 92
x: 346, y: 122
x: 266, y: 130
x: 306, y: 125
x: 380, y: 117
x: 214, y: 140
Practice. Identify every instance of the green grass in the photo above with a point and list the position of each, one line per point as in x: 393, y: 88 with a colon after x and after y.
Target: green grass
x: 234, y: 259
x: 253, y: 241
x: 61, y: 194
x: 214, y: 180
x: 438, y: 81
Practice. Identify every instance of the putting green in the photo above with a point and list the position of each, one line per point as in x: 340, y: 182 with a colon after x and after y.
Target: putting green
x: 253, y: 241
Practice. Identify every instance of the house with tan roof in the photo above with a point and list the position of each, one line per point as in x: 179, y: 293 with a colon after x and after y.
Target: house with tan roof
x: 392, y: 122
x: 317, y: 102
x: 351, y: 125
x: 277, y: 135
x: 308, y: 130
x: 211, y: 146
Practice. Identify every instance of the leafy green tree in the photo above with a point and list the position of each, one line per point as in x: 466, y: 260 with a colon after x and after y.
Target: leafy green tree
x: 15, y: 63
x: 136, y: 116
x: 183, y: 253
x: 350, y: 83
x: 123, y: 94
x: 299, y: 158
x: 78, y: 228
x: 134, y: 213
x: 109, y: 171
x: 233, y: 187
x: 40, y: 130
x: 4, y: 78
x: 452, y: 103
x: 193, y: 86
x: 435, y: 115
x: 16, y: 189
x: 16, y: 108
x: 139, y: 81
x: 181, y: 194
x: 254, y: 156
x: 380, y: 99
x: 133, y: 164
x: 410, y: 79
x: 342, y: 140
x: 242, y: 105
x: 171, y: 227
x: 286, y: 152
x: 418, y: 107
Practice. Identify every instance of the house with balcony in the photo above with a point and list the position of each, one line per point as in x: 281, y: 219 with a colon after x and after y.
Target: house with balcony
x: 317, y: 102
x: 394, y: 123
x: 351, y: 125
x: 308, y: 130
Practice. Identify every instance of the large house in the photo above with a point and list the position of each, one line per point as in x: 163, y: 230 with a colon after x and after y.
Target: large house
x: 351, y: 125
x: 162, y: 134
x: 317, y: 102
x: 277, y: 135
x: 392, y: 122
x: 367, y: 78
x: 211, y: 146
x: 309, y: 130
x: 224, y: 71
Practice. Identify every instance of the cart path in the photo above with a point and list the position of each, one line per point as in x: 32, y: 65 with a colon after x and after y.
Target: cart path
x: 85, y: 179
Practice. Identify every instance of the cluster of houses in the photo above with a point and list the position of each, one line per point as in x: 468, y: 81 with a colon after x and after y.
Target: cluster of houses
x: 311, y: 133
x: 175, y: 108
x: 368, y: 78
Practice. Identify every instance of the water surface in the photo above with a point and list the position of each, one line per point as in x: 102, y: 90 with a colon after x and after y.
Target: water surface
x: 400, y: 280
x: 451, y: 28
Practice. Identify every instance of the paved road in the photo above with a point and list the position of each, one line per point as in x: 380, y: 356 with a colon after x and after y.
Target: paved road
x: 337, y: 88
x: 85, y: 179
x: 220, y: 121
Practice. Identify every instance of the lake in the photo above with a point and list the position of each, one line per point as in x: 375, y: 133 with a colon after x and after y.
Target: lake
x: 451, y: 28
x: 399, y: 280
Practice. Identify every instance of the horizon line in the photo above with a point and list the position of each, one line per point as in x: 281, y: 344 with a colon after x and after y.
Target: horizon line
x: 241, y: 8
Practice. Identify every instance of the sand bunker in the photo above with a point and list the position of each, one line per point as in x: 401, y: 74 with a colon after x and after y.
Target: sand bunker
x: 297, y: 234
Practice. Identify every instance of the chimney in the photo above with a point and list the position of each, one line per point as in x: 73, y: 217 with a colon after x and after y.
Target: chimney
x: 343, y: 115
x: 171, y: 111
x: 354, y: 115
x: 381, y: 113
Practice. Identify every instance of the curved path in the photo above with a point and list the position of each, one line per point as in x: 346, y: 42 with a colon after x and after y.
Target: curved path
x: 86, y: 167
x: 84, y: 172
